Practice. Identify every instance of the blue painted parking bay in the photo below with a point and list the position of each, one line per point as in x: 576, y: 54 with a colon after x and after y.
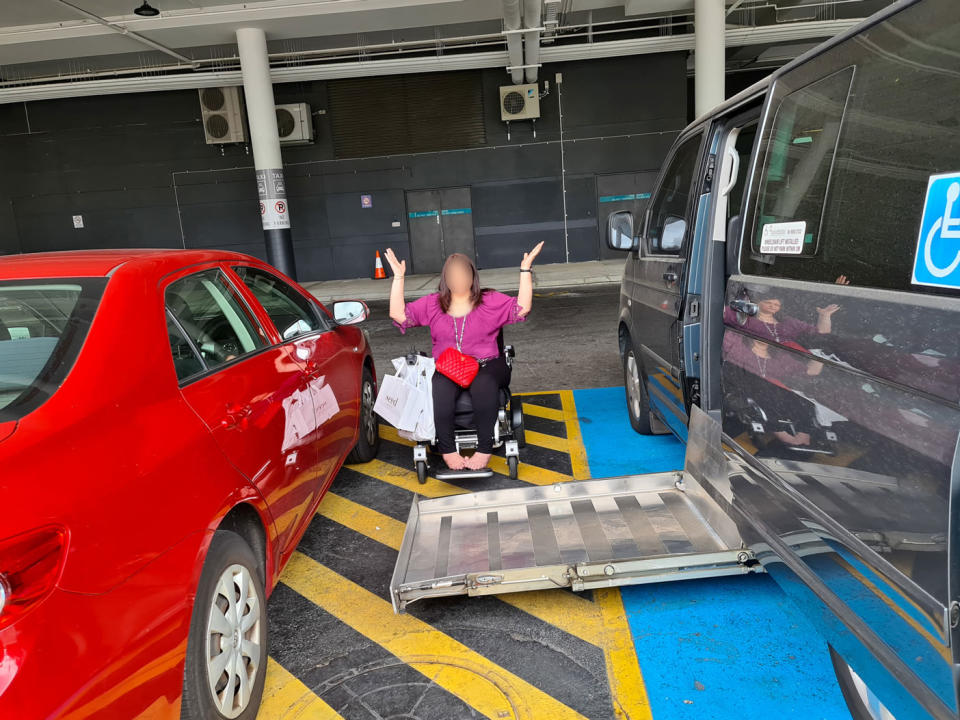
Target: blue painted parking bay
x: 709, y: 649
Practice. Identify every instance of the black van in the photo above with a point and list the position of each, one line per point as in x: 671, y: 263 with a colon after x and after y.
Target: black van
x: 797, y: 278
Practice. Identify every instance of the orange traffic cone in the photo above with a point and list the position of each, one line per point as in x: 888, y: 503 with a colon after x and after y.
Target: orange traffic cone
x: 378, y: 272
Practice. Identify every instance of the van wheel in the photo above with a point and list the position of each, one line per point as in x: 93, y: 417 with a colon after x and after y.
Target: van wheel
x: 227, y: 645
x: 860, y: 699
x: 638, y: 406
x: 368, y: 440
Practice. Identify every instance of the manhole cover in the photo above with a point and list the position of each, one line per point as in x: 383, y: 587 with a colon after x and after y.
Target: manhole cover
x: 393, y: 690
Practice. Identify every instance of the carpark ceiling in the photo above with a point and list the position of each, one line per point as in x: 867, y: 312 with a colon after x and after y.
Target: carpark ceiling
x: 62, y: 48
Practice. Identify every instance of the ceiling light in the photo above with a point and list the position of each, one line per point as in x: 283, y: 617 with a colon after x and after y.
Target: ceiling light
x: 146, y: 10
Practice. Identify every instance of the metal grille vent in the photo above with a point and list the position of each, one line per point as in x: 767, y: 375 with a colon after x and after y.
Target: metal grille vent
x: 286, y: 123
x: 513, y: 103
x: 397, y: 114
x: 212, y: 98
x: 217, y: 126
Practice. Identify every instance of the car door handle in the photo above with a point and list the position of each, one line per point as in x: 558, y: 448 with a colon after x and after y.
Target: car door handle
x: 236, y: 417
x: 745, y: 306
x: 671, y: 277
x: 313, y: 370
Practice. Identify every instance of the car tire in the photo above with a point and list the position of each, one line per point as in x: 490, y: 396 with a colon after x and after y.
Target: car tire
x: 638, y: 404
x: 368, y: 436
x: 230, y: 568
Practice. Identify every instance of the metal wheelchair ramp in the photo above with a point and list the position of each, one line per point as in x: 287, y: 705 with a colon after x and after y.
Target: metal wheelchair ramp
x: 578, y: 535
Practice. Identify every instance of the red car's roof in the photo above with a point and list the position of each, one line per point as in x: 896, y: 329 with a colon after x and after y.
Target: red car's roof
x: 93, y: 263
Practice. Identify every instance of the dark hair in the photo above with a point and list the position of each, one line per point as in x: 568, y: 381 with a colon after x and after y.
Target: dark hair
x: 476, y: 292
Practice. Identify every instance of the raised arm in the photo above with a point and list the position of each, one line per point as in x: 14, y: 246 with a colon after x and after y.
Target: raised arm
x: 397, y: 305
x: 525, y: 293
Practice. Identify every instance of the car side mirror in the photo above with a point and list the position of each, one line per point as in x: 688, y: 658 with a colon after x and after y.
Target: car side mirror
x: 350, y: 312
x: 620, y: 231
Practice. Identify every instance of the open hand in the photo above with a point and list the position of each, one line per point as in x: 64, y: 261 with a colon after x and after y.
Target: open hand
x: 399, y: 267
x: 828, y: 310
x: 529, y: 257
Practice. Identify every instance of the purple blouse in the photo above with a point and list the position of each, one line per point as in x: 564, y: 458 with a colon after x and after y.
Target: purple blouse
x: 483, y: 323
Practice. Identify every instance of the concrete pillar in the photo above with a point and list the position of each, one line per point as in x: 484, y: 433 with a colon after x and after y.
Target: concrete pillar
x: 709, y: 57
x: 262, y: 121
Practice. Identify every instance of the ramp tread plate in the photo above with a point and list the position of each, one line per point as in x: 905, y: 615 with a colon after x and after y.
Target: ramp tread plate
x: 637, y: 518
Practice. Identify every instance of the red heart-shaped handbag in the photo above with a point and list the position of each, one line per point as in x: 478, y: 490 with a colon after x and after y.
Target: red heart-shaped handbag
x: 460, y: 368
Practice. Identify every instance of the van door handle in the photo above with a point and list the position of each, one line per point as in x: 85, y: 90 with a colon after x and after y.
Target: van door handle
x: 671, y: 277
x: 745, y: 306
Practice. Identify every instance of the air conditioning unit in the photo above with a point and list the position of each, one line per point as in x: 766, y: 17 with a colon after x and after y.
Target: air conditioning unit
x: 519, y: 102
x: 224, y: 115
x: 295, y: 124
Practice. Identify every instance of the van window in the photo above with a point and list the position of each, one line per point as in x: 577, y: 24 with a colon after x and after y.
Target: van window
x: 668, y: 209
x: 900, y: 128
x: 797, y: 165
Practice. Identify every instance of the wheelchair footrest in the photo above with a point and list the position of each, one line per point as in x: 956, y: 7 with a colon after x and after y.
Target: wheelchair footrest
x: 447, y: 474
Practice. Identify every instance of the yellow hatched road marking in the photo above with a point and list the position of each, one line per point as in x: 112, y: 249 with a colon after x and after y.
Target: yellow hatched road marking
x: 529, y: 473
x: 627, y: 688
x: 543, y: 412
x: 406, y: 479
x: 390, y: 433
x: 285, y: 696
x: 445, y: 661
x: 360, y: 518
x: 578, y: 453
x: 551, y: 442
x: 571, y: 613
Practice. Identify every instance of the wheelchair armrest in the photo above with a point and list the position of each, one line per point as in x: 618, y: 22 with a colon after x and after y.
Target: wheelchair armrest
x: 509, y: 354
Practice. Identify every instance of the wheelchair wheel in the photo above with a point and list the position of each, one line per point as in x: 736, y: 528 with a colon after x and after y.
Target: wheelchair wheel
x: 421, y: 472
x: 516, y: 422
x: 513, y: 464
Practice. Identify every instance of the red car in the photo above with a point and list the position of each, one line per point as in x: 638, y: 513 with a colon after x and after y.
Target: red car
x: 169, y: 421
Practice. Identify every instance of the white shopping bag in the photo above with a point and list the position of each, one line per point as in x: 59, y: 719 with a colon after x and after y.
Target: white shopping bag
x: 400, y: 403
x: 418, y: 375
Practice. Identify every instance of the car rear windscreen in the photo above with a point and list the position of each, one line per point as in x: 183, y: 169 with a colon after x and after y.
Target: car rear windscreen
x: 43, y: 324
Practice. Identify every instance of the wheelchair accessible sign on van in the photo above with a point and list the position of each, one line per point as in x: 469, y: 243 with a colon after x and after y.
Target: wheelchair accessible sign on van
x: 937, y: 262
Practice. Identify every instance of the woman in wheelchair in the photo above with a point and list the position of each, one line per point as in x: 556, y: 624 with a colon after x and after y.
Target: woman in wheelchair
x: 464, y: 316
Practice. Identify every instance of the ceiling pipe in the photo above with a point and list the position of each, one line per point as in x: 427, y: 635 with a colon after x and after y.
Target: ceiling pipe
x: 511, y: 30
x: 129, y: 33
x: 531, y: 39
x: 183, y: 80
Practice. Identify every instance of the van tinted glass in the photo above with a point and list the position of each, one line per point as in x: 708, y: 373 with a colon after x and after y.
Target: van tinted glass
x: 668, y: 209
x: 43, y: 324
x: 899, y: 128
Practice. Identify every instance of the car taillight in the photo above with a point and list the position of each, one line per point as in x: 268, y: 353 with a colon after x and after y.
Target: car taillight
x: 29, y: 567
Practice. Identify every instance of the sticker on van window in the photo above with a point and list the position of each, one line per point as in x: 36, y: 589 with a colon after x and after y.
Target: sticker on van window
x: 937, y: 259
x: 783, y: 238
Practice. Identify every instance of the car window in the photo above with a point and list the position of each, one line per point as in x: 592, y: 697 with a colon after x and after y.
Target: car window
x: 668, y: 209
x: 42, y: 326
x: 292, y: 314
x: 186, y: 359
x: 213, y: 316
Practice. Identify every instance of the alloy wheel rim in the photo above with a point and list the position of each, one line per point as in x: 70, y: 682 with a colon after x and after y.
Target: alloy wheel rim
x: 369, y: 420
x: 234, y: 637
x: 633, y: 385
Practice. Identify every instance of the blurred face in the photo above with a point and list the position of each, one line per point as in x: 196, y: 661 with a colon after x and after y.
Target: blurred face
x: 459, y: 277
x: 769, y: 307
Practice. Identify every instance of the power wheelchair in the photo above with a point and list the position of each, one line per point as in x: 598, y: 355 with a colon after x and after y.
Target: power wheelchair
x: 507, y: 431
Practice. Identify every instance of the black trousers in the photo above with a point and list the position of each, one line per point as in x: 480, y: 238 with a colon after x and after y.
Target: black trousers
x: 484, y: 394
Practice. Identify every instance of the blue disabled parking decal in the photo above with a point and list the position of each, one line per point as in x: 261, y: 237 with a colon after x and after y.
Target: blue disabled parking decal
x: 937, y: 262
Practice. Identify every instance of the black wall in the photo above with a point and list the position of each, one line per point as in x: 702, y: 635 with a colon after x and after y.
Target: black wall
x: 138, y: 170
